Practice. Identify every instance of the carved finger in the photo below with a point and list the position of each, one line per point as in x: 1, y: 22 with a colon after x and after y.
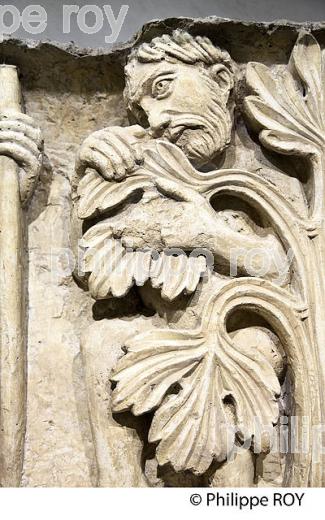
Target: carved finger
x: 88, y: 158
x: 27, y: 160
x: 112, y: 154
x: 129, y: 134
x: 138, y: 153
x: 134, y: 138
x: 21, y: 139
x: 21, y: 123
x: 137, y: 132
x: 123, y: 149
x: 13, y: 115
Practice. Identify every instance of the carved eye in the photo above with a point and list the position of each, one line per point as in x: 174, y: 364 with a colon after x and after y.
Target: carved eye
x: 161, y: 88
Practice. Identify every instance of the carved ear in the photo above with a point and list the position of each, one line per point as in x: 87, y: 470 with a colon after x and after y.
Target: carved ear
x: 223, y: 77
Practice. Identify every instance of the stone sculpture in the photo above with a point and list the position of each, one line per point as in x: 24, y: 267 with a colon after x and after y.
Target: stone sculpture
x: 182, y: 86
x: 186, y: 347
x: 20, y: 146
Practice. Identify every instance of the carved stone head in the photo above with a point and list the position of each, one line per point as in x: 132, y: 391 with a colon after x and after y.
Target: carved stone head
x: 180, y: 86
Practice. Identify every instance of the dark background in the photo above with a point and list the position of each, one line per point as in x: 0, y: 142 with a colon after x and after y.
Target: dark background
x: 141, y: 11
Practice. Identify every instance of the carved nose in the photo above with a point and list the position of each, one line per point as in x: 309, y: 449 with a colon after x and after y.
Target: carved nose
x: 158, y: 125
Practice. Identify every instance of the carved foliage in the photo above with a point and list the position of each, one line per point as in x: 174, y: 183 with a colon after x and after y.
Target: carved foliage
x: 113, y: 268
x: 289, y: 110
x: 162, y: 160
x: 195, y: 425
x: 289, y: 105
x: 203, y: 389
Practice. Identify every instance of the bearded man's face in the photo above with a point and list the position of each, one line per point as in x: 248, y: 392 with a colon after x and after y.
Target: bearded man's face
x: 184, y: 104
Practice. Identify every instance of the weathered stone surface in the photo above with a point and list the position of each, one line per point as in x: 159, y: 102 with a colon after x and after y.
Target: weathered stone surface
x: 256, y: 338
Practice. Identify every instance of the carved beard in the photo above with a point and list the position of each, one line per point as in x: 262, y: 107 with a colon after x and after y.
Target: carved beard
x: 202, y: 137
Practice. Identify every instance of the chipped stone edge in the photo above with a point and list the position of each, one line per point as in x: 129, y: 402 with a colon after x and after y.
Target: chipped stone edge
x: 120, y: 50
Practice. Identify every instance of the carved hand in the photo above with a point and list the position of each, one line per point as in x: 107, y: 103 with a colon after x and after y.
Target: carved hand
x: 114, y: 151
x: 191, y: 223
x: 250, y: 254
x: 21, y: 140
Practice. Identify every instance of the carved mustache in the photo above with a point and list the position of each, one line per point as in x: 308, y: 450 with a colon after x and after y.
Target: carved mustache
x: 174, y: 133
x: 210, y: 131
x: 185, y: 122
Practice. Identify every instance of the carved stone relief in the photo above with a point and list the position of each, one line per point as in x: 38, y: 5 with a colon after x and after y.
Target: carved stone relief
x: 191, y: 326
x: 20, y: 163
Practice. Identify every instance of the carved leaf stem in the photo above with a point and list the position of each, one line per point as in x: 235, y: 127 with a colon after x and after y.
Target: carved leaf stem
x: 194, y: 427
x: 288, y: 108
x: 192, y: 379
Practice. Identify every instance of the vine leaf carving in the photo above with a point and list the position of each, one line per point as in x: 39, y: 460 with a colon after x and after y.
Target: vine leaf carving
x: 98, y: 196
x: 288, y: 106
x: 162, y: 160
x: 195, y: 426
x: 114, y: 269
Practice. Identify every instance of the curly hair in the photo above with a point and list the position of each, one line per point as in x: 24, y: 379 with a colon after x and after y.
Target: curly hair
x: 180, y: 46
